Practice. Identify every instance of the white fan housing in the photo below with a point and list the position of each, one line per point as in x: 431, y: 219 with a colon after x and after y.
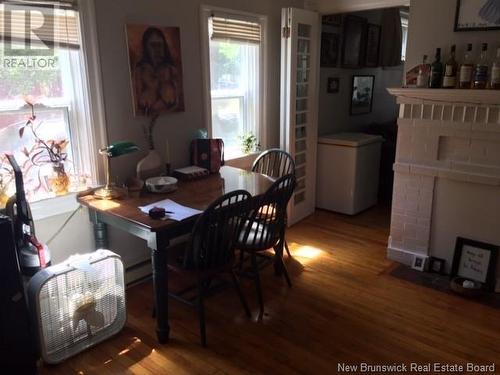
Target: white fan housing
x: 77, y: 303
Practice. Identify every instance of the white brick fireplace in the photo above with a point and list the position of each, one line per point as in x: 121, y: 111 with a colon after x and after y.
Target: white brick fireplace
x: 447, y: 172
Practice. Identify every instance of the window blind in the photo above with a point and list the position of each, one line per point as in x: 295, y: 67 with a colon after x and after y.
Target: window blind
x: 225, y: 28
x: 53, y: 23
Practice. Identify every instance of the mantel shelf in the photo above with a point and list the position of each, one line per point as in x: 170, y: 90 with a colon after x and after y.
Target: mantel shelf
x: 478, y: 97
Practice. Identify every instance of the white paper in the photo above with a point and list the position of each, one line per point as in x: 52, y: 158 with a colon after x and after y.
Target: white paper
x: 179, y: 212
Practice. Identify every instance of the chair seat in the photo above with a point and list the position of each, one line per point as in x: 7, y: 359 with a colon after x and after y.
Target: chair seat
x: 258, y: 229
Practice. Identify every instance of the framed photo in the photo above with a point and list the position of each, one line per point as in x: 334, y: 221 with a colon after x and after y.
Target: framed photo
x: 476, y: 261
x: 353, y: 44
x: 333, y: 85
x: 436, y: 265
x: 332, y: 20
x: 362, y: 94
x: 419, y: 263
x: 372, y: 45
x: 155, y: 69
x: 475, y: 15
x: 329, y: 49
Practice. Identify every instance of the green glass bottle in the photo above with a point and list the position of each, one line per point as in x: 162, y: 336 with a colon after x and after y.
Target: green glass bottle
x: 436, y: 71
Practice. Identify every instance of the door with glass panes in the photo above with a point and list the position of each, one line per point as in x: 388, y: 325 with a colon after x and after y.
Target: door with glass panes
x: 299, y: 104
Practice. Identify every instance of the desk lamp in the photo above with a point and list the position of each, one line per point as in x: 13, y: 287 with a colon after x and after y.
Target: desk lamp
x: 112, y: 151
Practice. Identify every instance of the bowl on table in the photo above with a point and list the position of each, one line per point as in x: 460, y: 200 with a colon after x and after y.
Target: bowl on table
x: 163, y: 184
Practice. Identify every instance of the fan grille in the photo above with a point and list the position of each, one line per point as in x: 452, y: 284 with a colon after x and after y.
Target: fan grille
x: 81, y: 307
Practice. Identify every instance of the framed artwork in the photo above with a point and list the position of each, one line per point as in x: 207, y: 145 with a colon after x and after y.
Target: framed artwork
x: 332, y: 20
x: 372, y: 45
x: 155, y: 69
x: 476, y: 261
x: 419, y: 263
x: 329, y: 49
x: 353, y: 44
x: 362, y: 94
x: 333, y: 85
x: 436, y: 265
x: 474, y: 15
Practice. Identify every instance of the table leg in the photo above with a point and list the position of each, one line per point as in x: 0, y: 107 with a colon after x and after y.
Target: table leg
x: 160, y: 286
x: 100, y: 231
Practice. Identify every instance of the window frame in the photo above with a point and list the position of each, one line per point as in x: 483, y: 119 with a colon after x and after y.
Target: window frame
x: 205, y: 14
x: 50, y: 207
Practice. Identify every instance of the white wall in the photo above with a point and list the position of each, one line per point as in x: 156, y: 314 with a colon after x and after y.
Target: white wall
x: 179, y: 128
x: 431, y: 25
x: 334, y: 113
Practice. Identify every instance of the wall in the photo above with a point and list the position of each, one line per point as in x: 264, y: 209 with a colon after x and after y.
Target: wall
x: 431, y: 25
x: 334, y: 108
x: 179, y: 128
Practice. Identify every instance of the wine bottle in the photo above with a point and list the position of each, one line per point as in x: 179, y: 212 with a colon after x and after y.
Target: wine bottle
x: 450, y: 71
x: 481, y: 72
x: 423, y: 73
x: 436, y: 71
x: 495, y: 72
x: 466, y: 69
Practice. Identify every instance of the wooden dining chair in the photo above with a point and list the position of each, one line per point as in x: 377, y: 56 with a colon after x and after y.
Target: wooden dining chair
x: 210, y: 251
x: 275, y: 163
x: 264, y: 229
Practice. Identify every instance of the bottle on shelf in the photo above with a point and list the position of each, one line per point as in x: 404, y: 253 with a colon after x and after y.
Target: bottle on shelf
x: 481, y: 73
x: 423, y: 73
x: 466, y: 69
x: 495, y: 72
x: 436, y: 71
x: 450, y: 71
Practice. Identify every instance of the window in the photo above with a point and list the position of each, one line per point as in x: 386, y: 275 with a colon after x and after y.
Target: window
x: 44, y: 73
x: 235, y: 53
x: 404, y: 33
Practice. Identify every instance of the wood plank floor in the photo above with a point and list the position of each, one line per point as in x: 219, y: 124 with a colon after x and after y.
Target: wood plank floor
x: 343, y: 308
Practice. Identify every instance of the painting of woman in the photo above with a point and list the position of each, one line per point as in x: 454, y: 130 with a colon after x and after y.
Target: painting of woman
x: 156, y: 69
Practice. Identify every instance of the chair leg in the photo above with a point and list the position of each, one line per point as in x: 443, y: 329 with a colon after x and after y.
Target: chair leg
x: 287, y: 249
x: 201, y: 312
x: 240, y: 293
x: 278, y: 253
x: 255, y: 267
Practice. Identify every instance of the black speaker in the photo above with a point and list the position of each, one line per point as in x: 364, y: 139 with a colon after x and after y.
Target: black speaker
x: 18, y: 350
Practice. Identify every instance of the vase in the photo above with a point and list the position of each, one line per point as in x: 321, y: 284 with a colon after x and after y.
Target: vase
x: 59, y: 179
x: 150, y: 166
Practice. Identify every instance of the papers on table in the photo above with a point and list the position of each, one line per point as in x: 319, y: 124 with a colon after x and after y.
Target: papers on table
x: 177, y: 212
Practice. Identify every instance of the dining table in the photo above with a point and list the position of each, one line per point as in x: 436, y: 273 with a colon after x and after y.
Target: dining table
x: 125, y: 215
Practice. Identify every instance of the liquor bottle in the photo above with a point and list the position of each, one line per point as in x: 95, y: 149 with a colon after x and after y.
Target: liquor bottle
x: 495, y: 72
x: 436, y: 71
x: 481, y: 72
x: 423, y: 73
x: 450, y: 71
x: 466, y: 69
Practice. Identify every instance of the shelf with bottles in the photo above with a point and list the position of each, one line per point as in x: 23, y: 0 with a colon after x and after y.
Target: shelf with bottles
x: 453, y: 96
x: 480, y: 73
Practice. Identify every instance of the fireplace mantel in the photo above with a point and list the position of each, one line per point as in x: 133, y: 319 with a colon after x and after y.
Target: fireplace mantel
x: 445, y: 137
x: 480, y: 97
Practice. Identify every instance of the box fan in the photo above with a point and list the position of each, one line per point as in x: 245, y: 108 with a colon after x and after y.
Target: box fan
x: 77, y: 303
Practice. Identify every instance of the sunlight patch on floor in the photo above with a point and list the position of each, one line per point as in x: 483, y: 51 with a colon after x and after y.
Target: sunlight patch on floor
x: 307, y: 253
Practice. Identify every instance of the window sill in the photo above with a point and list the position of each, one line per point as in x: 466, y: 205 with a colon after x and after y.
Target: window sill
x: 54, y: 206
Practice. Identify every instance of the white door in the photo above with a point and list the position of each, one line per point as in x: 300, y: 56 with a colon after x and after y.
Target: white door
x: 299, y: 103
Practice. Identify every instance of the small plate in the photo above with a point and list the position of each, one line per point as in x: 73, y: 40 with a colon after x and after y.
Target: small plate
x: 162, y: 184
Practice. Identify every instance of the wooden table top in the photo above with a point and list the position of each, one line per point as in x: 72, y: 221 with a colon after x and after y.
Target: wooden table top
x: 196, y: 194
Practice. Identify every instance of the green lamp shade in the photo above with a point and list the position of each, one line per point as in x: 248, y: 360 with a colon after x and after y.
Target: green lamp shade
x: 121, y: 148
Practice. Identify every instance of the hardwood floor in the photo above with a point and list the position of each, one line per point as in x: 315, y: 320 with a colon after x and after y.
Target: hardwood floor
x: 343, y: 308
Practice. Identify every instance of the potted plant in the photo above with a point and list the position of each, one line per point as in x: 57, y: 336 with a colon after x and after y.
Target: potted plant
x: 249, y: 143
x: 51, y: 152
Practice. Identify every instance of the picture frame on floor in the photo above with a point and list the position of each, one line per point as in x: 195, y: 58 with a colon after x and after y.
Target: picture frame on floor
x: 476, y: 261
x: 419, y: 262
x: 436, y: 265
